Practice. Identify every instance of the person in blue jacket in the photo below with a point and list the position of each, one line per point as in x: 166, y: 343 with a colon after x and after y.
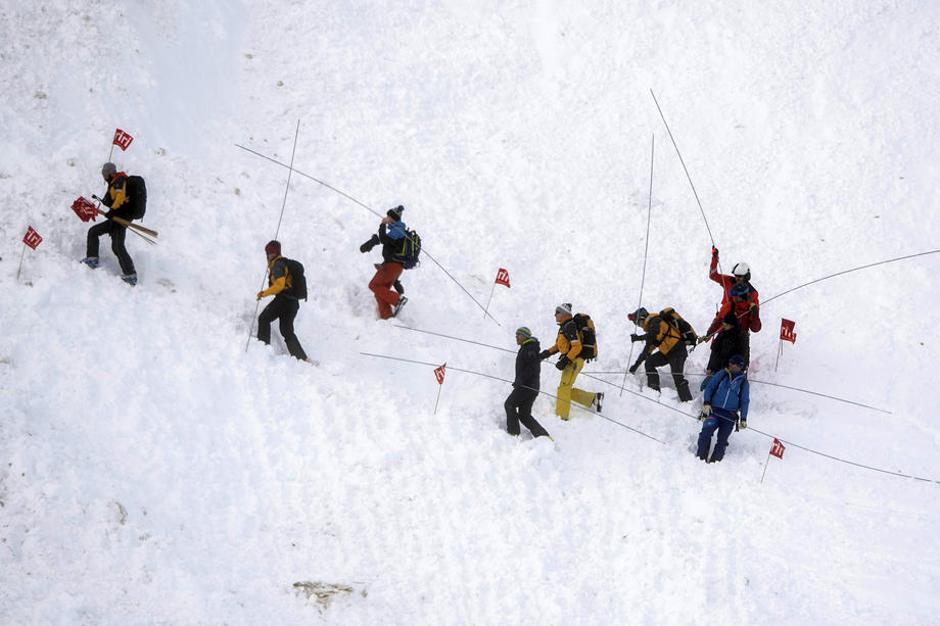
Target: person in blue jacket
x: 724, y: 407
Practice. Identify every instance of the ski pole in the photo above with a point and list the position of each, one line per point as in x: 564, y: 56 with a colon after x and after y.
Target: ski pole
x: 854, y: 269
x: 290, y: 170
x: 646, y: 251
x: 686, y: 170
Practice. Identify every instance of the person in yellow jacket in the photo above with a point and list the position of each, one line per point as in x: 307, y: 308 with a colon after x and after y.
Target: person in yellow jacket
x: 569, y: 345
x: 666, y: 337
x: 285, y: 305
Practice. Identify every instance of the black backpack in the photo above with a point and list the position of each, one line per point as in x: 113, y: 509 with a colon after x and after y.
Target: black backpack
x: 410, y: 250
x: 298, y: 287
x: 137, y: 194
x: 588, y: 336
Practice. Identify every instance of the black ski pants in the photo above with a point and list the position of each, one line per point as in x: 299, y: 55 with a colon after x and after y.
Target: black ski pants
x: 675, y: 359
x: 519, y: 409
x: 283, y: 309
x: 118, y: 234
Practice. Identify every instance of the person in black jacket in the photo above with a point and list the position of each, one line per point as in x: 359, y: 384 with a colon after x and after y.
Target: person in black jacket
x: 285, y: 305
x: 525, y: 388
x: 123, y: 201
x: 392, y: 234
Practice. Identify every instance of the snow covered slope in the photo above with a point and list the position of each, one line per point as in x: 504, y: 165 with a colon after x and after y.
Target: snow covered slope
x: 154, y: 471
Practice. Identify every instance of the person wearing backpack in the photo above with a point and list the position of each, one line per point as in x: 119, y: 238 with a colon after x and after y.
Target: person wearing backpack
x: 724, y: 407
x: 393, y: 235
x: 525, y: 387
x: 666, y: 337
x: 126, y: 198
x: 569, y: 344
x: 287, y: 287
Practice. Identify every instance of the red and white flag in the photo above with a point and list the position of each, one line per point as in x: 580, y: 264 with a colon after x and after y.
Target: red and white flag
x: 777, y: 448
x: 439, y: 373
x: 502, y: 277
x: 32, y: 238
x: 121, y: 139
x: 84, y: 209
x: 786, y: 330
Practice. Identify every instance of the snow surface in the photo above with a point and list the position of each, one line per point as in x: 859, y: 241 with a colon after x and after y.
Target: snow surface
x: 154, y: 471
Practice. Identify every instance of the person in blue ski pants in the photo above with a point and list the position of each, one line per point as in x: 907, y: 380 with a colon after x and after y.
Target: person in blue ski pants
x: 724, y: 408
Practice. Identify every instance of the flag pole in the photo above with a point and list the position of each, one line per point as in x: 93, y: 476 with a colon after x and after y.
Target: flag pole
x: 766, y: 463
x: 779, y: 352
x: 492, y: 291
x: 440, y: 388
x: 22, y: 254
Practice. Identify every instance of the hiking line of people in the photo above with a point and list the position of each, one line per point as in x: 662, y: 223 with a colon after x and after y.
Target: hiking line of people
x: 667, y: 336
x: 668, y: 339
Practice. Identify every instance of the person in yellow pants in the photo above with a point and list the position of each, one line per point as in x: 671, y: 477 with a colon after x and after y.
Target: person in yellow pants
x: 568, y: 343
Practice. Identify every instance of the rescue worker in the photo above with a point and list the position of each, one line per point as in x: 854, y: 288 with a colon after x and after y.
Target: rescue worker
x: 124, y: 201
x: 285, y: 305
x: 392, y: 233
x: 569, y: 345
x: 725, y: 404
x: 525, y: 387
x: 666, y: 337
x: 740, y: 297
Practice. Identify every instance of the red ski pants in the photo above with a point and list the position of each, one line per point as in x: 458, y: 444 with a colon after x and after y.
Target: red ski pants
x: 381, y: 285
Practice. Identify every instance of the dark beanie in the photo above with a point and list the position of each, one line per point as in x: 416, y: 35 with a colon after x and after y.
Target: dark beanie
x: 396, y: 213
x: 273, y: 247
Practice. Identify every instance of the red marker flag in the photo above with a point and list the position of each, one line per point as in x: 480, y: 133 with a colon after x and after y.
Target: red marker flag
x: 786, y: 330
x: 121, y: 139
x: 84, y: 209
x: 777, y: 448
x: 32, y: 238
x: 439, y: 373
x: 502, y: 277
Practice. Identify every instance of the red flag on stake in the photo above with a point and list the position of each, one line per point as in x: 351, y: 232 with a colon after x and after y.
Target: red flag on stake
x: 32, y: 238
x: 84, y: 209
x: 439, y: 373
x: 776, y: 449
x: 786, y: 334
x: 121, y: 139
x: 502, y: 277
x: 786, y: 330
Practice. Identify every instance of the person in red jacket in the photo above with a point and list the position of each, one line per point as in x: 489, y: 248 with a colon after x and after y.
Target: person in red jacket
x: 739, y: 298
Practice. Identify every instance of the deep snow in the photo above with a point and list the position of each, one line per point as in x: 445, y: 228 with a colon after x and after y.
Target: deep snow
x: 153, y: 471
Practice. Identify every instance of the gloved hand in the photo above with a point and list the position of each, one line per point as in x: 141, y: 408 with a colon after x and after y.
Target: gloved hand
x: 633, y: 367
x: 563, y: 362
x: 753, y: 306
x: 107, y: 214
x: 706, y: 411
x: 398, y: 287
x: 544, y: 354
x: 369, y: 244
x: 742, y: 424
x: 260, y: 295
x: 635, y: 337
x: 714, y: 252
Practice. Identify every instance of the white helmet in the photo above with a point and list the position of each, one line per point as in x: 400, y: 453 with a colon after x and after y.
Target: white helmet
x: 741, y: 269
